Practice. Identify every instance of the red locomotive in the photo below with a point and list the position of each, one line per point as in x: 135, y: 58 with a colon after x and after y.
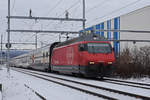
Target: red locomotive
x: 90, y: 56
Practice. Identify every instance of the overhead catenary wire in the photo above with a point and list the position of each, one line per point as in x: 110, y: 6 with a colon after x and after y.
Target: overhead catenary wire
x: 73, y: 5
x: 54, y: 7
x: 57, y: 3
x: 96, y: 6
x: 31, y: 27
x: 67, y: 9
x: 13, y: 6
x: 114, y: 11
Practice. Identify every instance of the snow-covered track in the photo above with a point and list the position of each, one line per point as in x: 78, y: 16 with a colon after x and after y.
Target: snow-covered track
x: 38, y: 94
x: 76, y: 88
x: 89, y: 85
x: 128, y: 83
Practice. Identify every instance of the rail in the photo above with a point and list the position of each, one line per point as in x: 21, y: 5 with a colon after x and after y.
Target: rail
x: 90, y: 85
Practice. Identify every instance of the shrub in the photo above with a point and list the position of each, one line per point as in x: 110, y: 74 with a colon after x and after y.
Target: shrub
x: 133, y: 62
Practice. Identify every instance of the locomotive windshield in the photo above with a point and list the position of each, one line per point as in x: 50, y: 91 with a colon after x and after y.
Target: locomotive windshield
x: 99, y: 48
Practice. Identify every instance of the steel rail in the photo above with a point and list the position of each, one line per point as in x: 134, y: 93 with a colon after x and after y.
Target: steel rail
x: 127, y: 82
x: 127, y: 85
x: 38, y: 94
x: 76, y: 88
x: 94, y: 86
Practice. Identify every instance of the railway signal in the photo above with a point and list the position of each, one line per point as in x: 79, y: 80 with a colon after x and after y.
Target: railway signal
x: 8, y: 45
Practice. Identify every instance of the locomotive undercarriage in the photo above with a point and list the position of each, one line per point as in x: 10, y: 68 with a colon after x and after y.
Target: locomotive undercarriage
x: 96, y: 70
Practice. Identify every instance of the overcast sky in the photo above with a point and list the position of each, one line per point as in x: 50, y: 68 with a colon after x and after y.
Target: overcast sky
x: 96, y: 12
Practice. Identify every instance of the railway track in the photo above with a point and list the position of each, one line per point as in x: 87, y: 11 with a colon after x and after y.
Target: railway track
x: 127, y: 83
x: 104, y: 90
x: 115, y: 80
x: 76, y: 88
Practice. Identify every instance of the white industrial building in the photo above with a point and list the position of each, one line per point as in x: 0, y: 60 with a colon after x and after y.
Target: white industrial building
x: 138, y: 20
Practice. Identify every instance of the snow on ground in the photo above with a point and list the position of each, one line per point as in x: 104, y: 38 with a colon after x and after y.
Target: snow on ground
x: 14, y: 88
x: 135, y: 90
x: 0, y: 96
x: 140, y: 80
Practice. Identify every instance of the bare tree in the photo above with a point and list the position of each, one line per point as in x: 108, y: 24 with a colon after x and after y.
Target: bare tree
x: 133, y: 62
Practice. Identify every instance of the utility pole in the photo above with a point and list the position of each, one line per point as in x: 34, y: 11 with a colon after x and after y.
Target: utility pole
x: 30, y: 13
x: 41, y: 43
x: 31, y: 17
x: 84, y: 16
x: 1, y: 49
x: 36, y: 41
x: 8, y: 38
x: 67, y: 37
x: 60, y: 37
x: 67, y: 14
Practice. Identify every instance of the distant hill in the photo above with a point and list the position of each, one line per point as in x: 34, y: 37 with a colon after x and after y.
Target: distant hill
x: 13, y: 53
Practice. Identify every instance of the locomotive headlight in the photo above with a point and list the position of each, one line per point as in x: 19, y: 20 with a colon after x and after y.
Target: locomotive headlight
x: 91, y: 62
x: 110, y: 63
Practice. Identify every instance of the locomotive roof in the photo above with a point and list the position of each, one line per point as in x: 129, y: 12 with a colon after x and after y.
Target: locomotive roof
x: 89, y: 37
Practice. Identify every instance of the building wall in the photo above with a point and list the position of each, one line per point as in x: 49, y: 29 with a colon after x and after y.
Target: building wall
x: 136, y: 20
x: 108, y: 25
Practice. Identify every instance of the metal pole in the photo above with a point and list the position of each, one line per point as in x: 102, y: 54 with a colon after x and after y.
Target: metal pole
x: 8, y: 50
x: 1, y: 49
x: 45, y: 18
x: 36, y: 41
x: 41, y: 43
x: 83, y: 15
x: 59, y: 37
x: 45, y: 31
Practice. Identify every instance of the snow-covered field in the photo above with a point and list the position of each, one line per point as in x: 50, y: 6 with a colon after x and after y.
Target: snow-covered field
x: 14, y: 87
x: 140, y: 80
x: 0, y: 96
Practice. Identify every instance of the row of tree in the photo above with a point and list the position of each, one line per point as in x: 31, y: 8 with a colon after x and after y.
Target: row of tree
x: 133, y: 62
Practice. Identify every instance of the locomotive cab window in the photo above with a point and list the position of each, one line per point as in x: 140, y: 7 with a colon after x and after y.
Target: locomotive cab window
x: 99, y: 48
x: 82, y: 47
